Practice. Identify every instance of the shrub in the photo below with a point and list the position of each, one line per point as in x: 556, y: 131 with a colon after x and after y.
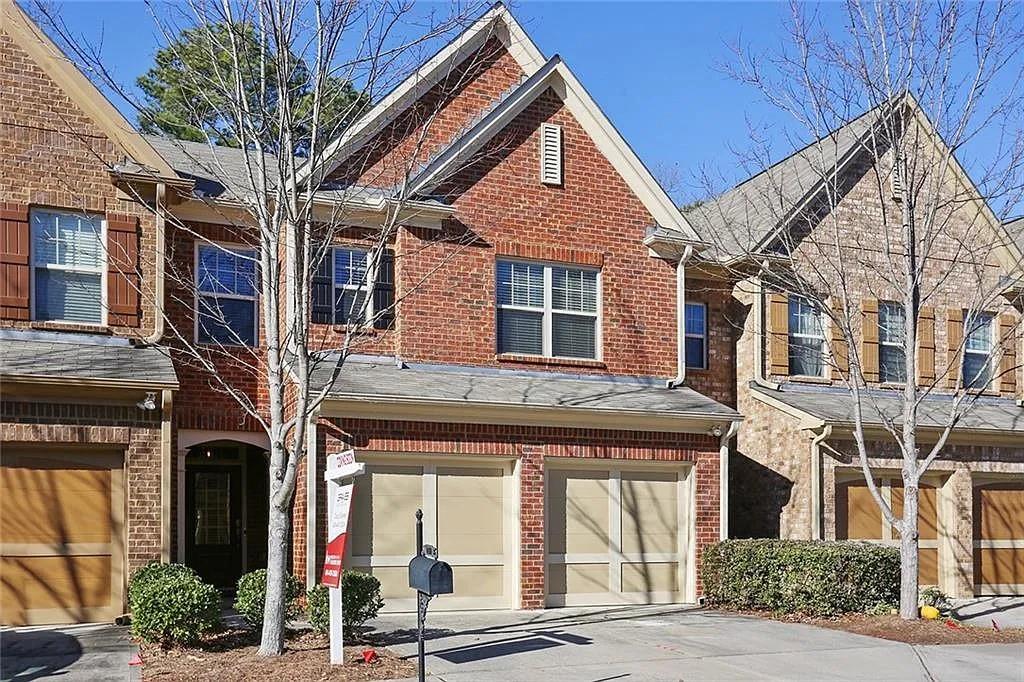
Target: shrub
x: 252, y: 595
x: 933, y: 596
x: 796, y: 576
x: 360, y: 601
x: 170, y: 605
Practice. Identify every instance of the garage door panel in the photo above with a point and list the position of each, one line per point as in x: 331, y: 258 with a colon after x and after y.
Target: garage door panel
x: 999, y: 538
x: 479, y: 581
x: 650, y: 513
x: 578, y: 512
x: 51, y: 506
x: 650, y: 577
x: 857, y: 514
x: 577, y: 578
x: 56, y: 582
x: 1001, y: 511
x: 999, y: 567
x: 384, y: 501
x: 470, y: 511
x: 927, y: 509
x: 394, y: 580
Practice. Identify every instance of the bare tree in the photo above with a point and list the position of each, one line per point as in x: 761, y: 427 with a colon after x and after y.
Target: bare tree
x: 893, y: 101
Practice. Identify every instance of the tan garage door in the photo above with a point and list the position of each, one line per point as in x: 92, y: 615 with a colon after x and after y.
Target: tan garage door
x: 999, y: 538
x: 615, y: 536
x: 61, y: 537
x: 859, y: 518
x: 466, y: 515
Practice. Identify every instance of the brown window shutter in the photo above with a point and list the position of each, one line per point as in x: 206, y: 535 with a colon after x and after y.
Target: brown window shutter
x: 1008, y: 341
x: 840, y: 349
x: 926, y: 345
x: 123, y: 277
x: 15, y: 237
x: 778, y: 329
x: 869, y: 339
x: 954, y: 337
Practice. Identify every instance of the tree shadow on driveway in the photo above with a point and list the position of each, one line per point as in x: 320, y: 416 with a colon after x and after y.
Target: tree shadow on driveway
x: 34, y: 654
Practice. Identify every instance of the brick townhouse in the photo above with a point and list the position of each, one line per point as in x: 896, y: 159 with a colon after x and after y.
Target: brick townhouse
x: 537, y: 392
x: 795, y: 472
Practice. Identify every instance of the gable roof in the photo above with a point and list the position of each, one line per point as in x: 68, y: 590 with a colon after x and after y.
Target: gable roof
x: 1015, y: 228
x: 556, y: 74
x: 496, y: 22
x: 52, y: 60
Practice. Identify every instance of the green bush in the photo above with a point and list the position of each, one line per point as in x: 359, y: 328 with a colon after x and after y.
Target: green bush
x: 252, y: 595
x: 170, y: 605
x: 796, y: 576
x: 360, y: 601
x: 933, y: 596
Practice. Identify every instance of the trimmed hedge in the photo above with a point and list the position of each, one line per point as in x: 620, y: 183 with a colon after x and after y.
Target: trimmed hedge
x: 252, y: 596
x: 360, y: 601
x: 798, y: 576
x: 171, y: 605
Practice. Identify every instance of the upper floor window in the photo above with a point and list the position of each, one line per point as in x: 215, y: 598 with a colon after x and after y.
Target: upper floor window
x: 226, y: 295
x: 892, y: 358
x: 68, y: 266
x: 547, y: 310
x: 806, y: 339
x: 352, y: 280
x: 696, y: 336
x: 978, y: 352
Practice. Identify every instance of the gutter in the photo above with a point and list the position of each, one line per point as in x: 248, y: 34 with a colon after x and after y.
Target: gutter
x: 680, y: 377
x: 816, y: 443
x: 161, y: 241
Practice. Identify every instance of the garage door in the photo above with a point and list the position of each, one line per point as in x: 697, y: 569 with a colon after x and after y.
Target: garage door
x: 858, y: 517
x: 615, y: 536
x: 999, y: 538
x: 466, y: 514
x: 61, y: 537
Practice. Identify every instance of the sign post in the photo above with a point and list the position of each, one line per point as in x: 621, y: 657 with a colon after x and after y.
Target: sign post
x: 340, y: 466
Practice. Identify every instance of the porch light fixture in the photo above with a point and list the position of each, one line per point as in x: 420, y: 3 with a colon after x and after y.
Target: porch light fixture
x: 716, y: 431
x: 147, y: 403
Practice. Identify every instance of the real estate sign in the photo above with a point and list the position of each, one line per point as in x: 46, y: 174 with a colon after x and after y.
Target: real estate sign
x: 340, y: 466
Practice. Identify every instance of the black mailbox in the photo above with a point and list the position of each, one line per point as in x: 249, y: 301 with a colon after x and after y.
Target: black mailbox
x: 430, y: 576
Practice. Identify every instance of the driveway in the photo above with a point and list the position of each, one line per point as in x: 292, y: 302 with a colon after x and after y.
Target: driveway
x: 1006, y: 612
x: 673, y: 643
x: 74, y: 653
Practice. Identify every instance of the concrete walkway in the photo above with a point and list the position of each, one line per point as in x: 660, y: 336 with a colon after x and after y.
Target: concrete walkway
x: 80, y: 653
x: 673, y: 643
x: 1006, y: 612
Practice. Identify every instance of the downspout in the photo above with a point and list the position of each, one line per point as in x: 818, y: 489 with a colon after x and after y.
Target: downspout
x: 312, y: 482
x: 723, y: 479
x: 761, y: 336
x: 680, y: 377
x: 158, y: 284
x: 166, y: 472
x: 816, y: 442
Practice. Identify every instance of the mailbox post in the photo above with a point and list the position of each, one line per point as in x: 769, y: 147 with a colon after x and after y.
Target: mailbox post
x: 429, y: 577
x: 341, y: 466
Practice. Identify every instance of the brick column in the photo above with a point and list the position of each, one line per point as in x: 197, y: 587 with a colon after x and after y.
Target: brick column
x: 531, y: 520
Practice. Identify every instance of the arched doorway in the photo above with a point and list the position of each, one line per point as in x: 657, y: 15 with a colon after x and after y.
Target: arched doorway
x: 225, y: 510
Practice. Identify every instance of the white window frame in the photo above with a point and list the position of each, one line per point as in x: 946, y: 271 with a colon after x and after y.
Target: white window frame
x: 895, y: 344
x: 692, y: 335
x: 548, y: 310
x: 801, y: 335
x: 988, y: 354
x: 367, y: 286
x: 102, y: 269
x: 197, y: 294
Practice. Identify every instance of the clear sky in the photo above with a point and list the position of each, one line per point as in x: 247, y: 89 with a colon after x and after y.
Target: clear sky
x: 655, y: 68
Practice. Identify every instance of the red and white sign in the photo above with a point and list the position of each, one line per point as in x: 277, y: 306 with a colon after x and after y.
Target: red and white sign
x: 337, y: 531
x: 342, y: 465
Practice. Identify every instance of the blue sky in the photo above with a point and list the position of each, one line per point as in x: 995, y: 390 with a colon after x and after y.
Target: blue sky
x: 655, y: 68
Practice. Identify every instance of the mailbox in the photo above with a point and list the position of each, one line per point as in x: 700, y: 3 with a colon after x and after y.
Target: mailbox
x: 430, y: 576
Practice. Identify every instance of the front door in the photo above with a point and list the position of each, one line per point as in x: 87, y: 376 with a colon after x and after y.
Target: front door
x: 213, y: 496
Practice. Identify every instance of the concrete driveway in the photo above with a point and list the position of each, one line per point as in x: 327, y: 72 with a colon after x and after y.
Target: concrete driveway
x: 673, y: 643
x: 74, y: 653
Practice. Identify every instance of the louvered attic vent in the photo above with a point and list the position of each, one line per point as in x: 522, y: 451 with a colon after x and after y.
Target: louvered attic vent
x: 895, y: 185
x: 550, y: 154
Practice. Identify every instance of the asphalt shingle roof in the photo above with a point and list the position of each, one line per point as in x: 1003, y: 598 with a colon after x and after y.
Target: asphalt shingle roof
x: 835, y: 405
x: 78, y: 356
x: 1016, y: 229
x: 379, y: 378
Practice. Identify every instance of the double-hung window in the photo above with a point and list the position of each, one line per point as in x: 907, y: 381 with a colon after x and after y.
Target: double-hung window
x: 806, y: 339
x: 226, y: 295
x: 696, y: 336
x: 978, y: 351
x: 892, y: 358
x: 352, y: 281
x: 68, y: 265
x: 547, y: 310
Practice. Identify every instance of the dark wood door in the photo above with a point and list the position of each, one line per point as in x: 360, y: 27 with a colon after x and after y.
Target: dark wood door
x: 213, y: 497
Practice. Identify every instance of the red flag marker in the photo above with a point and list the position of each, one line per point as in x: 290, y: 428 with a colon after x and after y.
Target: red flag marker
x: 136, y: 659
x: 370, y: 656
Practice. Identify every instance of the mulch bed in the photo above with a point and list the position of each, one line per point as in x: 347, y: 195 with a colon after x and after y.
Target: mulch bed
x: 909, y: 631
x: 231, y: 655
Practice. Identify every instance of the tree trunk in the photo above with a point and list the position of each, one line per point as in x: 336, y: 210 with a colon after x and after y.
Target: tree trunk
x: 272, y: 640
x: 909, y: 553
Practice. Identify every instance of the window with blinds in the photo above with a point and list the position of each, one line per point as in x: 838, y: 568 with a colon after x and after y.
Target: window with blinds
x: 551, y: 154
x: 352, y: 304
x: 892, y: 358
x: 226, y: 288
x: 978, y: 346
x: 806, y: 339
x: 68, y: 266
x: 547, y: 310
x: 696, y: 336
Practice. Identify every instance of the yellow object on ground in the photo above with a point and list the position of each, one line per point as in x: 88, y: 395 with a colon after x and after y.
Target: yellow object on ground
x: 929, y: 612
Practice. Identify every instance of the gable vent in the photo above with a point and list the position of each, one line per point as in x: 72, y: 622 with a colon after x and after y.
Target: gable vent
x: 896, y: 185
x: 550, y: 154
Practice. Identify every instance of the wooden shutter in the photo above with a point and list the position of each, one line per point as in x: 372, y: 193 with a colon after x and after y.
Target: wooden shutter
x: 926, y: 345
x: 123, y: 278
x: 954, y: 337
x: 550, y: 154
x: 778, y: 329
x: 15, y: 237
x: 869, y: 339
x: 839, y: 347
x: 321, y: 306
x: 384, y: 291
x: 1008, y: 341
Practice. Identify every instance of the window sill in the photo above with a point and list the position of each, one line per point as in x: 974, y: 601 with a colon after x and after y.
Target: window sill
x: 76, y: 327
x: 548, y: 361
x: 361, y: 330
x: 802, y: 379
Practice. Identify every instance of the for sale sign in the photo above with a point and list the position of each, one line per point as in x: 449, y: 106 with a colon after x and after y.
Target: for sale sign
x: 339, y: 505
